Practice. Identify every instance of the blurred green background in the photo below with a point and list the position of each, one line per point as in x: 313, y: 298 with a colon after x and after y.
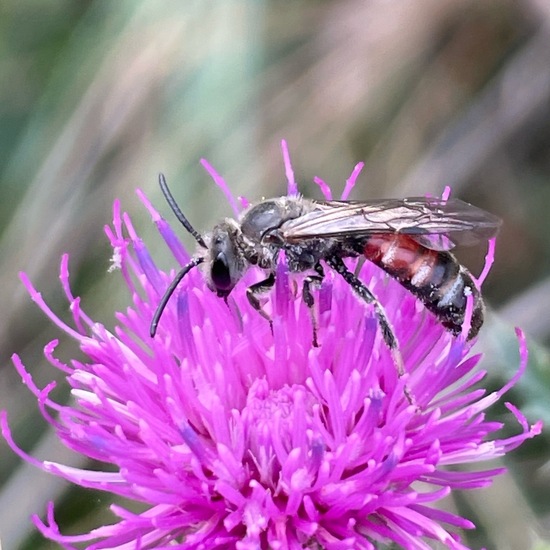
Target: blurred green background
x: 97, y: 97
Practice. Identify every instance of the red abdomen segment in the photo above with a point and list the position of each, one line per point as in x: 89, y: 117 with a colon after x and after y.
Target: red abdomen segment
x: 435, y: 277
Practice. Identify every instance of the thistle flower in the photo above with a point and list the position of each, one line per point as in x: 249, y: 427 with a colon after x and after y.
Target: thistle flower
x: 238, y: 435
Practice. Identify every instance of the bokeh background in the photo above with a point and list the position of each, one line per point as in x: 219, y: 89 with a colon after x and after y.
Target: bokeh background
x: 97, y: 97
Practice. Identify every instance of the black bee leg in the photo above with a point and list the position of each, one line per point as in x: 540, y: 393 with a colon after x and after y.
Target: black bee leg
x: 254, y: 290
x: 365, y: 294
x: 309, y: 282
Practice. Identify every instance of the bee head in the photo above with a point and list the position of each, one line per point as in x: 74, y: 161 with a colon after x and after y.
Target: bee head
x: 225, y: 263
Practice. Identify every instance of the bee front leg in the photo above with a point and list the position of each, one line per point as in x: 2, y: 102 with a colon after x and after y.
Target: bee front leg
x: 253, y: 291
x: 309, y: 282
x: 365, y: 294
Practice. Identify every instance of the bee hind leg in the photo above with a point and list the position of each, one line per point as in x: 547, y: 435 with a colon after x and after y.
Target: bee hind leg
x: 365, y: 294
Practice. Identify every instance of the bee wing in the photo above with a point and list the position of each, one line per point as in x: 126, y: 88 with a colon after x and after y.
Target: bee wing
x: 433, y: 222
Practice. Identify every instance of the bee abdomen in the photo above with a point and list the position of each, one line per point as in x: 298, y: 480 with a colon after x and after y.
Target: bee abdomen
x: 435, y: 277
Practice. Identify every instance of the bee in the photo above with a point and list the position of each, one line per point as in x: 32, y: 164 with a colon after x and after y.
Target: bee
x: 408, y: 238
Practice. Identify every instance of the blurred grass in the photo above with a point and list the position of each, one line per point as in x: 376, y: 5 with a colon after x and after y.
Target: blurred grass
x: 97, y: 97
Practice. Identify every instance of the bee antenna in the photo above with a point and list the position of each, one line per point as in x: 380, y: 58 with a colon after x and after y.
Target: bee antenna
x: 169, y: 291
x: 177, y: 211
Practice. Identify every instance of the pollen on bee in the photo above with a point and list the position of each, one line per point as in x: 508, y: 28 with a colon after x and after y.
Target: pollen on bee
x: 116, y: 260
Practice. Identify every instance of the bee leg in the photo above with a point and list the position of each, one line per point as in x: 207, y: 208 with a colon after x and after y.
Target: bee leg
x: 254, y: 290
x: 365, y: 294
x: 309, y: 282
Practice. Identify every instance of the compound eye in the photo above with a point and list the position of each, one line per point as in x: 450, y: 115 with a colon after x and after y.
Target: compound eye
x: 221, y: 277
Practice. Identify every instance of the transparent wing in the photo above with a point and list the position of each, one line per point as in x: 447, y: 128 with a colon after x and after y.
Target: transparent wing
x: 433, y: 222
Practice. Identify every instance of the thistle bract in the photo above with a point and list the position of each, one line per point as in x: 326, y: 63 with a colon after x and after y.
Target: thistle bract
x: 238, y: 435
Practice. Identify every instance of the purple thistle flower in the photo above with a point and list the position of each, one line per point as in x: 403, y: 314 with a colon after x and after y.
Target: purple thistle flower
x: 235, y: 436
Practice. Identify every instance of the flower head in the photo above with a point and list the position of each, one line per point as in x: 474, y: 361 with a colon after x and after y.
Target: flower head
x: 238, y: 433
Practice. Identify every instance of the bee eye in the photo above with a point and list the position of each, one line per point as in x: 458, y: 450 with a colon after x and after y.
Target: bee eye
x: 220, y: 274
